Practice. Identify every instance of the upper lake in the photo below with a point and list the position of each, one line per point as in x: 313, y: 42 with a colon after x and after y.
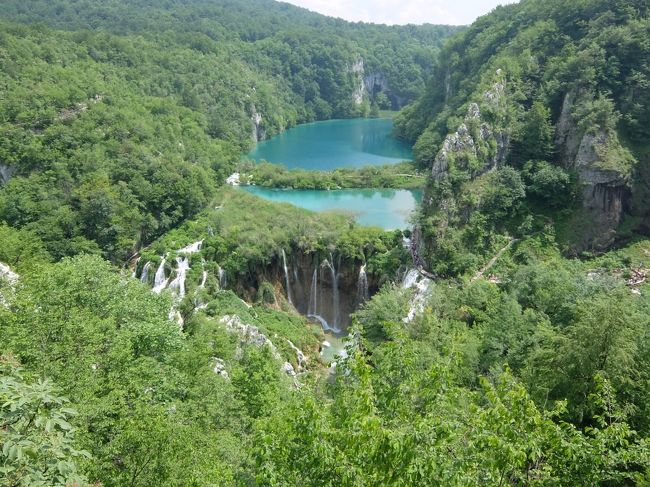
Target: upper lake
x: 332, y: 144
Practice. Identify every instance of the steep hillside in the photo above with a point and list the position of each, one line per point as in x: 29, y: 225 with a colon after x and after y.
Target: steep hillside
x: 536, y: 115
x: 314, y: 53
x: 108, y: 139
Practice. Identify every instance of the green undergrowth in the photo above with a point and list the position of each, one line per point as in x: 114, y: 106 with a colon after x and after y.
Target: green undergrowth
x: 403, y: 175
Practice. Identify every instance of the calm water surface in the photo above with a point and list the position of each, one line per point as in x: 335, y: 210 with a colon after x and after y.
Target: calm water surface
x: 386, y: 208
x: 334, y: 143
x: 341, y: 143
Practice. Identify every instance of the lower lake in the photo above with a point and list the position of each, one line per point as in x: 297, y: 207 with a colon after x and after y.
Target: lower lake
x: 389, y: 209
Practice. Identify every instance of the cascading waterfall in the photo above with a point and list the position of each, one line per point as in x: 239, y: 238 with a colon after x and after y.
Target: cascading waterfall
x: 222, y: 279
x: 160, y: 280
x: 144, y: 276
x: 192, y: 248
x: 313, y: 294
x: 410, y: 279
x: 312, y: 308
x: 178, y: 284
x: 362, y: 286
x: 286, y: 277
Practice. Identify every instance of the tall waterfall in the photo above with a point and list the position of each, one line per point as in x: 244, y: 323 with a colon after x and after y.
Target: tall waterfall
x: 312, y: 309
x: 160, y: 280
x: 286, y: 277
x: 144, y: 277
x: 336, y: 321
x: 362, y: 286
x: 178, y: 284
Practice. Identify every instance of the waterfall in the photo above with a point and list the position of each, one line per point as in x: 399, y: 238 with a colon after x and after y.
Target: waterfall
x: 410, y: 279
x: 362, y: 285
x: 144, y: 276
x: 335, y: 294
x: 312, y: 309
x: 178, y: 284
x: 222, y: 278
x: 192, y: 248
x: 203, y: 279
x: 286, y: 277
x: 160, y: 280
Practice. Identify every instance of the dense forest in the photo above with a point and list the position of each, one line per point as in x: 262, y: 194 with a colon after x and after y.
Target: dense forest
x: 154, y: 323
x: 548, y: 111
x: 155, y: 118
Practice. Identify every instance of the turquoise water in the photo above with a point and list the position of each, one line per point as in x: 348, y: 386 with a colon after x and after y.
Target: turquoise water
x: 386, y: 208
x: 334, y: 143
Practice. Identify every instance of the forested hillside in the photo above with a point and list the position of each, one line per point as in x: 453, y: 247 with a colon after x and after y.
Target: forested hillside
x: 503, y: 341
x: 110, y: 137
x: 536, y: 115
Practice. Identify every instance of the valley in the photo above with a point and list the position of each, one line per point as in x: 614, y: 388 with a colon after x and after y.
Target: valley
x: 245, y: 244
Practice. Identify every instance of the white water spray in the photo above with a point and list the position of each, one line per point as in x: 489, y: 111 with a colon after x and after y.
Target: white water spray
x: 362, y: 286
x: 178, y: 284
x: 286, y: 277
x: 192, y: 248
x: 313, y: 294
x: 160, y: 280
x: 144, y: 276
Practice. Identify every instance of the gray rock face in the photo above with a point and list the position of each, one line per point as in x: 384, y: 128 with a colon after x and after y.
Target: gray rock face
x: 567, y: 136
x: 248, y: 333
x: 374, y: 82
x: 5, y: 173
x: 461, y: 146
x: 603, y: 192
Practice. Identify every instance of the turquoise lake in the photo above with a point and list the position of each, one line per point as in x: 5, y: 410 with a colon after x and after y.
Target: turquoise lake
x: 341, y: 143
x: 386, y: 208
x: 334, y: 143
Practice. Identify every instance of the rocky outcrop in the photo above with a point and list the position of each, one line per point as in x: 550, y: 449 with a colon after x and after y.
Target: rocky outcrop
x: 475, y: 147
x: 603, y: 169
x: 462, y: 148
x: 603, y: 191
x: 251, y: 335
x: 375, y: 82
x: 567, y: 135
x: 248, y: 334
x: 5, y: 173
x: 369, y: 84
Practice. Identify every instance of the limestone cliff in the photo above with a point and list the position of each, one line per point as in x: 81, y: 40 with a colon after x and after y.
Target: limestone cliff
x: 5, y: 173
x: 604, y: 171
x: 476, y: 147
